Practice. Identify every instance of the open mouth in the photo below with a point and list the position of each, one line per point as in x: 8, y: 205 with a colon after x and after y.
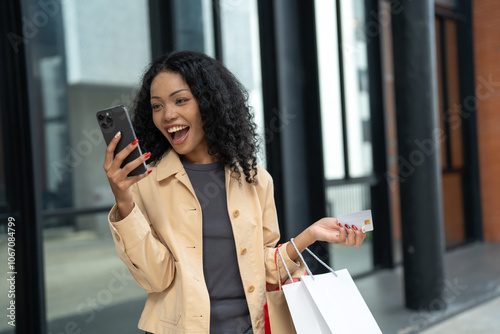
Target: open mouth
x: 178, y: 134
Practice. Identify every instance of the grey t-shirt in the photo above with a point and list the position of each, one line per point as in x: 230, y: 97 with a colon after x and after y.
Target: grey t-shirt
x: 228, y: 307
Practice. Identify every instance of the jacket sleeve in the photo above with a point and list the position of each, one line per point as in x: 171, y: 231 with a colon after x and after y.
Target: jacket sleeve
x: 149, y: 261
x: 271, y: 237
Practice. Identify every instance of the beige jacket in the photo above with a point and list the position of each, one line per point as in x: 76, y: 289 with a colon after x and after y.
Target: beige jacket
x: 160, y: 241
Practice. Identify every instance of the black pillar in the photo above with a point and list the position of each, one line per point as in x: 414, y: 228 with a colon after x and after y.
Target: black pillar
x: 471, y: 182
x: 379, y: 192
x: 299, y: 114
x: 23, y: 200
x: 419, y: 152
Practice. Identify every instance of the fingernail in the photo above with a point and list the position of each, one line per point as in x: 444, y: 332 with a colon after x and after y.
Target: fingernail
x: 135, y: 142
x: 147, y: 155
x: 150, y: 171
x: 347, y: 226
x: 340, y: 225
x: 363, y: 229
x: 354, y: 227
x: 118, y: 134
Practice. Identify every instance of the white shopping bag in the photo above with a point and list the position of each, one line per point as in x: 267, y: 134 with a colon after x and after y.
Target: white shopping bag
x: 328, y: 303
x: 340, y: 303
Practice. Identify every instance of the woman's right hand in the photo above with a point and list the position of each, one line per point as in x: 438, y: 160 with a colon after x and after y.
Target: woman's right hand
x: 118, y: 180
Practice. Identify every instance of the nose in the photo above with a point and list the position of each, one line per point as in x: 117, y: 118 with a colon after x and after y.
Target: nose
x: 169, y: 114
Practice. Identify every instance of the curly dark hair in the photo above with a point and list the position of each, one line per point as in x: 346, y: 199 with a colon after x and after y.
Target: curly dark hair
x: 230, y: 131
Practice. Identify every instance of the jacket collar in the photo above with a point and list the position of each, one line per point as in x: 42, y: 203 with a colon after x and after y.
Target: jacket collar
x: 170, y: 164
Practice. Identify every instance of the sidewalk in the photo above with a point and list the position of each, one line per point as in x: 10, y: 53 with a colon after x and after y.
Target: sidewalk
x: 483, y: 319
x: 472, y: 278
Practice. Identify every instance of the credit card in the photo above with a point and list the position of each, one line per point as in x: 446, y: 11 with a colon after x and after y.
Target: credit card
x: 358, y: 219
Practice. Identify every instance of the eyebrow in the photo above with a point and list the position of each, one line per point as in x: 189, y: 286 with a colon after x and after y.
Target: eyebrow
x: 172, y: 94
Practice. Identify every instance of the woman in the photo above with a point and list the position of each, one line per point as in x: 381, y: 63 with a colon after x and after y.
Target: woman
x: 198, y: 230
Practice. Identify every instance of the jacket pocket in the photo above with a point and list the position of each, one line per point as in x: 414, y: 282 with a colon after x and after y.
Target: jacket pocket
x: 170, y: 302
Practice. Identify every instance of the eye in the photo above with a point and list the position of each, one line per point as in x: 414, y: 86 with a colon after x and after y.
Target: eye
x: 156, y: 107
x: 181, y: 100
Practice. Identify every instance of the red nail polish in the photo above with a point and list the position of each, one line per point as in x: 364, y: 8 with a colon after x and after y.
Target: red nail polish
x: 150, y: 171
x: 347, y: 226
x: 340, y: 225
x: 135, y: 142
x: 147, y: 155
x: 354, y: 227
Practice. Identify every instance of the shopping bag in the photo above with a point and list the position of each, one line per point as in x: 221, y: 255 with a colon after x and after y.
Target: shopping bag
x: 334, y: 302
x: 279, y: 315
x: 305, y: 314
x: 280, y: 321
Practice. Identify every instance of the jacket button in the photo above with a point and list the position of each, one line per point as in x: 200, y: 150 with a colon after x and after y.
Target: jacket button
x: 243, y: 251
x: 236, y: 213
x: 251, y: 288
x: 117, y: 237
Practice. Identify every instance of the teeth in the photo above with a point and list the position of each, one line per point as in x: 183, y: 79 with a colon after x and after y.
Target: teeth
x: 176, y: 128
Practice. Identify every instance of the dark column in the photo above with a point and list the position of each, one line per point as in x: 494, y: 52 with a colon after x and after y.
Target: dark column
x: 299, y: 110
x: 270, y: 99
x: 382, y: 238
x: 418, y: 143
x: 23, y: 200
x: 471, y: 182
x: 161, y: 14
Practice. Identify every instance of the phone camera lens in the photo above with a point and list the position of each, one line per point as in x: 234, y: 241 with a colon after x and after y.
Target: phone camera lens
x: 104, y: 125
x: 108, y: 119
x: 100, y: 117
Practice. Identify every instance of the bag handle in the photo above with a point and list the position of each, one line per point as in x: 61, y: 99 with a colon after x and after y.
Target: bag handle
x: 283, y: 261
x: 280, y: 281
x: 313, y: 255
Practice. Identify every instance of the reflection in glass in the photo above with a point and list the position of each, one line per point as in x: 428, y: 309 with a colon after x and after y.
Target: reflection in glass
x: 328, y: 62
x: 241, y: 54
x: 194, y: 27
x: 89, y: 56
x: 354, y: 42
x: 349, y: 199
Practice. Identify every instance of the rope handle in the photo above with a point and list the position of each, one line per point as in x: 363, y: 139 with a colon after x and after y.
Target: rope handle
x: 283, y: 260
x: 313, y: 255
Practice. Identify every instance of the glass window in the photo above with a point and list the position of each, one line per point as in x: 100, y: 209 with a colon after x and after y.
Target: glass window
x: 351, y: 196
x: 354, y: 41
x: 83, y: 56
x: 194, y: 26
x: 328, y: 62
x: 241, y: 54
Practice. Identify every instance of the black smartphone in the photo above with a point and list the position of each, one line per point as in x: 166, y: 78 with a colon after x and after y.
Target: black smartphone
x: 116, y: 119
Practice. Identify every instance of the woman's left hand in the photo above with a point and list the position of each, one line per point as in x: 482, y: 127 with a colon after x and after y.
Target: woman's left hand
x: 328, y: 229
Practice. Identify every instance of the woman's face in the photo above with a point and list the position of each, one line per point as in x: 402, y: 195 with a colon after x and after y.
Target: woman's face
x: 177, y: 116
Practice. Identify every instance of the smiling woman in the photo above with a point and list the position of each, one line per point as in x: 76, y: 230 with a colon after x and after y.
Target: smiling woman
x: 177, y: 116
x: 205, y: 267
x: 180, y: 83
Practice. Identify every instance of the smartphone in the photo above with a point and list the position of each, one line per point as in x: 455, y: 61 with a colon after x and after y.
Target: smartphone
x: 116, y: 119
